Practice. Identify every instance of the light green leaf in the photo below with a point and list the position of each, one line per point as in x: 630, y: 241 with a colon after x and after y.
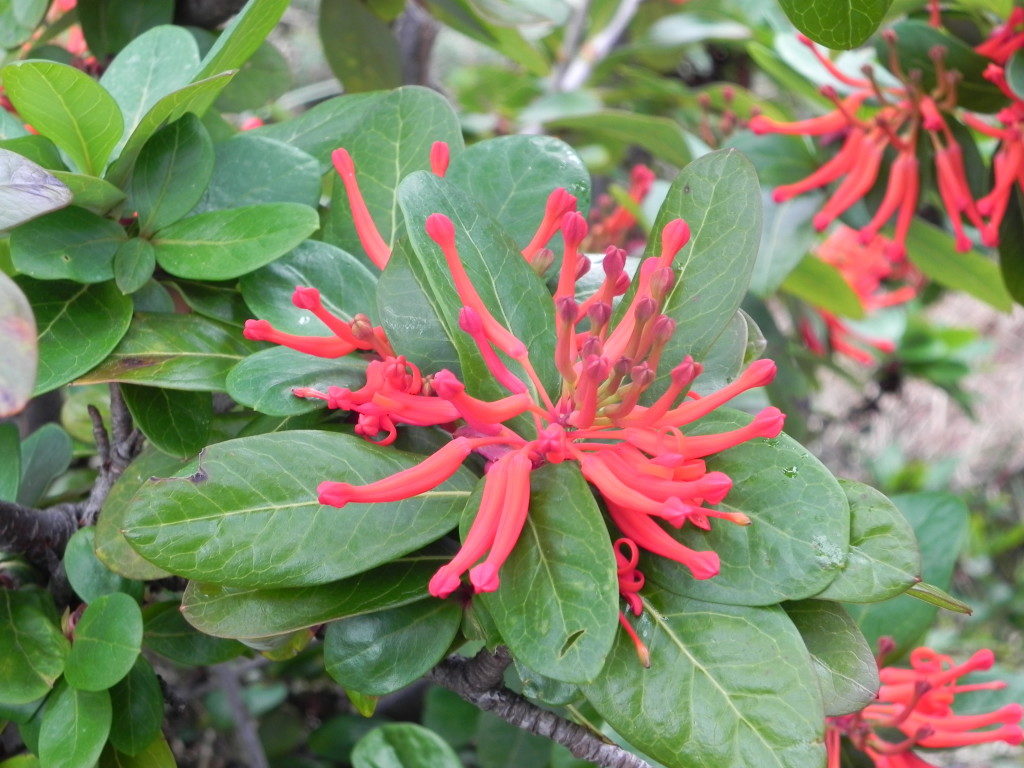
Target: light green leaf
x: 661, y: 136
x: 134, y: 263
x: 157, y: 754
x: 822, y: 285
x: 403, y: 745
x: 318, y: 131
x: 19, y: 19
x: 836, y: 23
x: 27, y: 190
x: 74, y: 727
x: 69, y: 244
x: 88, y: 576
x: 242, y: 36
x: 107, y: 640
x: 32, y: 648
x: 97, y: 195
x: 262, y: 79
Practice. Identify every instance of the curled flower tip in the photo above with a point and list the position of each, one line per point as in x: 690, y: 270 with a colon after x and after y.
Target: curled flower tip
x: 761, y: 124
x: 715, y: 486
x: 559, y: 202
x: 440, y: 229
x: 768, y: 423
x: 674, y: 236
x: 574, y: 229
x: 306, y: 298
x: 759, y: 373
x: 443, y: 583
x: 334, y: 494
x: 439, y: 158
x: 446, y: 385
x: 484, y: 578
x: 704, y: 565
x: 258, y: 330
x: 342, y: 161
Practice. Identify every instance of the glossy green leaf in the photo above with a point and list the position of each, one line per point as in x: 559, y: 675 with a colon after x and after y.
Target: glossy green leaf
x: 264, y: 381
x: 217, y: 520
x: 176, y: 422
x: 158, y: 62
x: 27, y: 190
x: 661, y: 136
x: 134, y: 263
x: 940, y: 598
x: 931, y: 250
x: 1011, y: 243
x: 883, y: 559
x: 110, y: 25
x: 822, y: 285
x: 390, y: 140
x: 719, y: 197
x: 32, y: 649
x: 262, y: 79
x: 515, y: 295
x: 187, y: 352
x: 449, y: 716
x: 66, y: 105
x: 253, y: 613
x: 558, y: 601
x: 253, y: 169
x: 166, y: 632
x: 39, y: 149
x: 69, y: 244
x: 798, y: 539
x: 18, y: 20
x: 940, y: 525
x: 843, y: 663
x: 45, y: 456
x: 512, y: 176
x: 139, y: 703
x: 111, y: 547
x: 403, y: 745
x: 217, y: 301
x: 18, y: 339
x: 74, y: 727
x: 195, y: 97
x: 242, y: 36
x: 727, y: 685
x: 97, y: 195
x: 836, y: 23
x: 156, y: 754
x: 107, y: 640
x: 219, y: 245
x: 346, y: 287
x: 317, y: 130
x: 359, y: 46
x: 379, y: 652
x: 171, y: 174
x: 10, y: 469
x: 503, y: 745
x: 78, y: 326
x: 88, y: 576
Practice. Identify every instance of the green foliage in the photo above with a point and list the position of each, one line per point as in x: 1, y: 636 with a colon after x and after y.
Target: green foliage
x: 836, y: 24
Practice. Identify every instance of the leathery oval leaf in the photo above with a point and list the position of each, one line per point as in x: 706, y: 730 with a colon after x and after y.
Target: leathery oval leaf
x: 727, y: 686
x: 32, y: 648
x: 74, y: 727
x: 799, y: 535
x: 107, y: 641
x: 245, y: 512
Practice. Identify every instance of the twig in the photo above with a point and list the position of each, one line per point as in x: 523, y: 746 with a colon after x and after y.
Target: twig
x: 416, y: 32
x: 596, y: 48
x: 116, y: 450
x: 246, y: 734
x: 479, y: 681
x: 571, y: 40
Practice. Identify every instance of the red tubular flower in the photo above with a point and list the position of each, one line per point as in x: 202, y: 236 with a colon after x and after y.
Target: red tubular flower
x: 615, y: 226
x: 919, y: 702
x: 369, y: 235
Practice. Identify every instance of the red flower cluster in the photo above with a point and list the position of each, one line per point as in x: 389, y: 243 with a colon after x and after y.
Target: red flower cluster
x: 613, y: 228
x: 645, y: 469
x: 919, y: 703
x: 865, y: 267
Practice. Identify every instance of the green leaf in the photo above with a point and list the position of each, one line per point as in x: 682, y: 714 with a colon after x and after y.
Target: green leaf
x: 940, y: 525
x: 21, y: 351
x: 88, y: 576
x: 264, y: 381
x: 558, y: 601
x: 512, y: 176
x: 254, y: 613
x: 139, y: 704
x: 719, y: 197
x: 1015, y: 74
x: 841, y: 24
x: 195, y: 98
x: 10, y: 469
x: 217, y: 520
x: 883, y: 559
x: 171, y: 174
x: 156, y: 63
x: 378, y: 653
x: 242, y: 37
x: 502, y: 745
x: 187, y: 352
x: 69, y: 244
x: 39, y: 149
x: 219, y: 245
x: 842, y: 661
x: 390, y: 140
x: 449, y: 716
x: 720, y: 679
x: 19, y: 19
x: 785, y: 241
x: 27, y: 190
x: 403, y: 745
x: 111, y: 547
x: 134, y: 263
x: 797, y: 541
x: 359, y: 46
x: 178, y: 423
x: 78, y: 326
x: 254, y: 169
x: 110, y: 25
x: 97, y: 195
x: 262, y: 79
x: 157, y: 754
x: 661, y: 136
x: 346, y: 286
x: 11, y: 127
x: 32, y: 649
x: 66, y: 105
x: 217, y: 301
x: 166, y: 632
x: 45, y: 456
x: 107, y: 640
x: 932, y: 595
x: 931, y: 250
x: 512, y: 291
x: 822, y: 285
x: 74, y: 727
x: 317, y: 130
x: 1011, y: 243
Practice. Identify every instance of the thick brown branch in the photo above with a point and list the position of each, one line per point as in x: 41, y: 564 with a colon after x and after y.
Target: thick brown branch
x: 34, y: 532
x: 208, y: 14
x: 479, y: 681
x: 116, y: 450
